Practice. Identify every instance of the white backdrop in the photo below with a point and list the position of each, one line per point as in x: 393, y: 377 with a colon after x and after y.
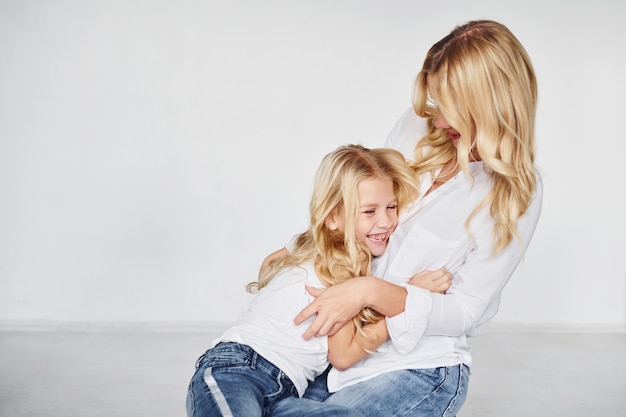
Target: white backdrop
x: 153, y: 152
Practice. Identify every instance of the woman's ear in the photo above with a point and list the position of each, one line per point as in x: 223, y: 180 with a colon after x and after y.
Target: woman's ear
x: 331, y: 221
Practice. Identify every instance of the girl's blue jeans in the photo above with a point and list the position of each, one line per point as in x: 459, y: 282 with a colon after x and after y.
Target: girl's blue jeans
x: 436, y: 392
x: 231, y: 379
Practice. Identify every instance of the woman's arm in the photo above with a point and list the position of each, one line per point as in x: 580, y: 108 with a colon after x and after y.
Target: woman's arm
x: 473, y: 299
x: 347, y: 346
x: 466, y: 308
x: 336, y: 305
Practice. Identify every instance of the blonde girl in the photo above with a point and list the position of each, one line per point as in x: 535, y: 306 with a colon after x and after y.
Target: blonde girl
x: 262, y: 361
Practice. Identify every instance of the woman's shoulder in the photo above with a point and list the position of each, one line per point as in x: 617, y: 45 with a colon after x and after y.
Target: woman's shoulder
x: 407, y: 131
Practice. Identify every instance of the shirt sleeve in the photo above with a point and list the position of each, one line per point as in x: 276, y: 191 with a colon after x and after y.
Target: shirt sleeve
x: 405, y: 134
x: 474, y: 297
x: 406, y: 328
x: 291, y: 243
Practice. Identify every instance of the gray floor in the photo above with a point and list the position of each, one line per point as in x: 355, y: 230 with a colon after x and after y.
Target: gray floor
x: 143, y: 373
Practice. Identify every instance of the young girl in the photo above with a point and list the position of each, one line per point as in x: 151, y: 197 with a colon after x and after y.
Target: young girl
x: 263, y: 359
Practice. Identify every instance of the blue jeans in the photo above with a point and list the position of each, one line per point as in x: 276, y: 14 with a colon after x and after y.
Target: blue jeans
x: 437, y: 392
x: 231, y: 379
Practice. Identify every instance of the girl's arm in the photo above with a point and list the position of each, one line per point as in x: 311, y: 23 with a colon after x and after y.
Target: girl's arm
x: 347, y: 347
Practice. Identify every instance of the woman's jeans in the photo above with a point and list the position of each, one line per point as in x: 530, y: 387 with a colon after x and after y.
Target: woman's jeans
x: 437, y: 392
x: 231, y: 379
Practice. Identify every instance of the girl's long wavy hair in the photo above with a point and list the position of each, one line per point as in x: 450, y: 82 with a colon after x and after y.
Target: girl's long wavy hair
x: 339, y: 256
x: 480, y: 78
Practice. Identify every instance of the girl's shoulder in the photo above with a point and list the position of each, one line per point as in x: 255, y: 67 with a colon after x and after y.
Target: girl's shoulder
x: 299, y: 274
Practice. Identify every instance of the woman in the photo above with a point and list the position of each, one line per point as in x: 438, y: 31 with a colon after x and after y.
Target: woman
x: 470, y: 137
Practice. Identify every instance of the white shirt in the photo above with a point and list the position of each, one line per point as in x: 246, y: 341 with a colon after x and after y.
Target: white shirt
x: 267, y: 326
x: 433, y: 329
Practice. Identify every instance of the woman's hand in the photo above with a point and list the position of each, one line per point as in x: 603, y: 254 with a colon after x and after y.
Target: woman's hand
x: 334, y: 306
x: 437, y: 281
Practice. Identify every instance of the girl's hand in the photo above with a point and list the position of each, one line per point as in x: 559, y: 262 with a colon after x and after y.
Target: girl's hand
x: 334, y: 306
x: 437, y: 281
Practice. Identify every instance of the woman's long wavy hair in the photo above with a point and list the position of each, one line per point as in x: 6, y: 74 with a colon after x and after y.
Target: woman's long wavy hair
x: 481, y: 80
x: 339, y: 256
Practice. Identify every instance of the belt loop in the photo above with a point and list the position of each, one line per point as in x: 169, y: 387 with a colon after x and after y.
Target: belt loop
x: 253, y: 359
x: 200, y: 360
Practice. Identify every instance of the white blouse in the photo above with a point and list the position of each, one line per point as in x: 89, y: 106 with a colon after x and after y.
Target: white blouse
x: 433, y: 329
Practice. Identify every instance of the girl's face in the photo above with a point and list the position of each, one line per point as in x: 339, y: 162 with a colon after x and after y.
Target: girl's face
x: 377, y: 215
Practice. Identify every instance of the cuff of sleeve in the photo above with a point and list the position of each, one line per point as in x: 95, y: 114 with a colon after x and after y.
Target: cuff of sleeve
x: 406, y: 328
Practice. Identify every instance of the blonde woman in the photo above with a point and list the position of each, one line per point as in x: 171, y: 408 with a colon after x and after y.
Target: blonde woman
x: 263, y: 359
x: 470, y: 137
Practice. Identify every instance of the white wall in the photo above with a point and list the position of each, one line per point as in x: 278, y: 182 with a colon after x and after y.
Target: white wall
x: 153, y: 152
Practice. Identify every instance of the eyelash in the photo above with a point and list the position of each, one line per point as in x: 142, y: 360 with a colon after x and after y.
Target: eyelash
x: 372, y: 211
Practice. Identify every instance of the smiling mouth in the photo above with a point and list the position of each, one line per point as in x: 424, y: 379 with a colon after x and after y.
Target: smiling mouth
x: 379, y: 238
x: 454, y: 135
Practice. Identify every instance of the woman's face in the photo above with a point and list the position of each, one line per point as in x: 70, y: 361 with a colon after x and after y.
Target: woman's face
x: 453, y: 135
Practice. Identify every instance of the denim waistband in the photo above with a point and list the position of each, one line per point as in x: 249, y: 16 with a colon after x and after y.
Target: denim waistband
x: 233, y: 353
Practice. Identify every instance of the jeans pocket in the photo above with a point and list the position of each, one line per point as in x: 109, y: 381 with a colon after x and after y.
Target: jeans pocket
x: 430, y: 377
x: 284, y: 388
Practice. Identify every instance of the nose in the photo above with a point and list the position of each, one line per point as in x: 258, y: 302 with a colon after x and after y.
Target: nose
x: 384, y: 220
x: 442, y: 123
